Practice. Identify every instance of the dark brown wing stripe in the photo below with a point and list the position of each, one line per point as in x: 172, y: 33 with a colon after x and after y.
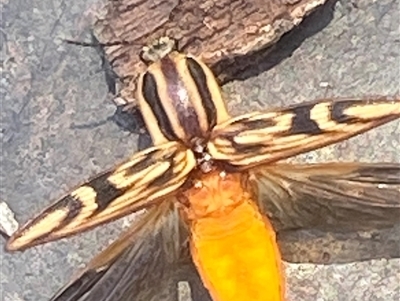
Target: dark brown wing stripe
x: 302, y: 123
x: 338, y: 112
x: 73, y: 205
x: 105, y: 191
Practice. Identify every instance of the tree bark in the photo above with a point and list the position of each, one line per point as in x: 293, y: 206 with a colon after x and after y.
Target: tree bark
x: 214, y: 30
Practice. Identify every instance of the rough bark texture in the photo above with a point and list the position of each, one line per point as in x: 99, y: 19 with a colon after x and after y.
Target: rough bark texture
x: 217, y: 31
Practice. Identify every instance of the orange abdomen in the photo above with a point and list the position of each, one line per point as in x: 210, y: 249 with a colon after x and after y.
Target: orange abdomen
x: 237, y: 255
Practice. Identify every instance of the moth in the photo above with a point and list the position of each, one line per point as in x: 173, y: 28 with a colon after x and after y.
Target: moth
x: 220, y: 179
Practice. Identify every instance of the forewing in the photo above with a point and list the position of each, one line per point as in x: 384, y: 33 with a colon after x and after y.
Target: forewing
x: 134, y: 265
x: 148, y: 177
x: 258, y: 138
x: 333, y: 196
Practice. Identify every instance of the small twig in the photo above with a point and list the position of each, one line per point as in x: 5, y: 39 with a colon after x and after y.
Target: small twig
x: 97, y: 44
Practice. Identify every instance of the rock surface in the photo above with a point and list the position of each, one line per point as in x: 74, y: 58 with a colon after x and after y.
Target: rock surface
x: 55, y: 132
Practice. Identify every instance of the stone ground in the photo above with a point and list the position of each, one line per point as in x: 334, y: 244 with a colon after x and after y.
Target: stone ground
x: 55, y: 132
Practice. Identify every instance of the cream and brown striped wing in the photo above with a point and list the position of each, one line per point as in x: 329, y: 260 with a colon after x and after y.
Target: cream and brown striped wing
x: 259, y: 138
x: 332, y: 196
x: 148, y: 177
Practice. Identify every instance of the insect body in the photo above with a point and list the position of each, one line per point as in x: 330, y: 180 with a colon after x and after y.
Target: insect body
x: 221, y: 174
x: 180, y: 94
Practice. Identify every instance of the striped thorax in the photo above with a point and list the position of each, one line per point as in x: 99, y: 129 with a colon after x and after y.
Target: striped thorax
x: 180, y: 100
